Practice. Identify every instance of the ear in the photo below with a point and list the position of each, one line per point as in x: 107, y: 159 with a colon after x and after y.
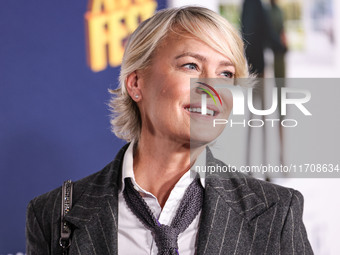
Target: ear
x: 133, y: 86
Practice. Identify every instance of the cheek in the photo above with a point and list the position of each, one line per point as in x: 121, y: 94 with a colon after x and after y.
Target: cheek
x: 175, y: 88
x: 227, y: 99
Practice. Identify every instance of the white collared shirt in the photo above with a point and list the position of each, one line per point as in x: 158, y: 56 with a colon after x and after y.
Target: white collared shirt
x: 133, y: 237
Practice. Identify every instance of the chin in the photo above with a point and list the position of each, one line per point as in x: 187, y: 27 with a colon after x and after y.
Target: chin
x: 204, y: 131
x: 204, y: 136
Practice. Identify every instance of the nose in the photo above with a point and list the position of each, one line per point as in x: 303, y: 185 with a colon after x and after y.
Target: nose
x: 209, y: 76
x: 208, y: 72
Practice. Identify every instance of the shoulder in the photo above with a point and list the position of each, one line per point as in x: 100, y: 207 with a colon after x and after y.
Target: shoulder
x: 241, y: 185
x: 275, y: 209
x: 271, y: 192
x: 45, y: 209
x: 52, y: 198
x: 108, y: 175
x: 43, y: 215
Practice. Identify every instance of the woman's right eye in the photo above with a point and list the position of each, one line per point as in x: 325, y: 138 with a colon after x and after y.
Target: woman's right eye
x: 191, y: 66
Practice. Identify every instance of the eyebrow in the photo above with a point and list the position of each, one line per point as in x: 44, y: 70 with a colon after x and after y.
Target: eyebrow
x: 202, y: 59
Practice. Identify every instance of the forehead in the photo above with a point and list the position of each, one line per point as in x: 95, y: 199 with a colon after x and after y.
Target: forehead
x: 187, y: 45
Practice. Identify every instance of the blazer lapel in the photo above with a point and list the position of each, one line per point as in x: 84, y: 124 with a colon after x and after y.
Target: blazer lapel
x: 229, y: 208
x: 94, y: 214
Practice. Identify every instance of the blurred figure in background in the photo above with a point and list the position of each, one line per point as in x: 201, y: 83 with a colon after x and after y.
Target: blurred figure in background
x: 277, y: 21
x: 257, y: 32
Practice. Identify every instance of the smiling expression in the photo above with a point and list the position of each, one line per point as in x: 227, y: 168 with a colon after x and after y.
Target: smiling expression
x: 170, y: 108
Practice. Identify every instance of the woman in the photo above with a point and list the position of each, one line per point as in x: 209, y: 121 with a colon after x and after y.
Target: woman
x: 145, y: 202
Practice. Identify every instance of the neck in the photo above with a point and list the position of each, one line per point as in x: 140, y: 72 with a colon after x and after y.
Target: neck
x: 159, y: 163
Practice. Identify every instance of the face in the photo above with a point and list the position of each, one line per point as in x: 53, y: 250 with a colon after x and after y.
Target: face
x: 169, y: 106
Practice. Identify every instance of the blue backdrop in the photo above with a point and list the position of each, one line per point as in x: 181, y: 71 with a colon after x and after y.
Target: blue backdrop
x: 54, y: 121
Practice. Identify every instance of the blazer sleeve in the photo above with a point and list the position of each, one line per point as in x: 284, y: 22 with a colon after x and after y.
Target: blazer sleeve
x: 294, y: 236
x: 36, y: 243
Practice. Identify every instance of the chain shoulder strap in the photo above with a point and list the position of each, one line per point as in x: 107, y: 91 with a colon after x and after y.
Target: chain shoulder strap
x: 66, y: 205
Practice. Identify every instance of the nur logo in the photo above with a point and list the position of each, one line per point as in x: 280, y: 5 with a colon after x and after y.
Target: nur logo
x: 204, y: 97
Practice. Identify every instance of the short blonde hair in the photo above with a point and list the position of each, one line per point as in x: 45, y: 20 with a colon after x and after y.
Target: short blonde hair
x: 197, y: 22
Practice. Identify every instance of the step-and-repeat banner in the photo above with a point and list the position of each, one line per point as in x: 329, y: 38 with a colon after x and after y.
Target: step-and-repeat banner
x: 57, y: 61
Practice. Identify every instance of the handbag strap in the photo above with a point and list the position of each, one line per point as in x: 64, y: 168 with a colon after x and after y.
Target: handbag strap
x: 66, y: 205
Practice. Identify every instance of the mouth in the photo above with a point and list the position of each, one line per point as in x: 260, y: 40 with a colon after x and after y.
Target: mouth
x: 196, y: 109
x: 199, y: 111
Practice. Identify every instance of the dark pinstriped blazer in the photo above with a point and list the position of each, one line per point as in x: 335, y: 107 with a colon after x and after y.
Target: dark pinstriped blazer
x: 240, y: 215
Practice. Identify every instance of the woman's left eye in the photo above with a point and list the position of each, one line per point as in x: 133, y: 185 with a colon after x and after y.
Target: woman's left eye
x: 228, y: 74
